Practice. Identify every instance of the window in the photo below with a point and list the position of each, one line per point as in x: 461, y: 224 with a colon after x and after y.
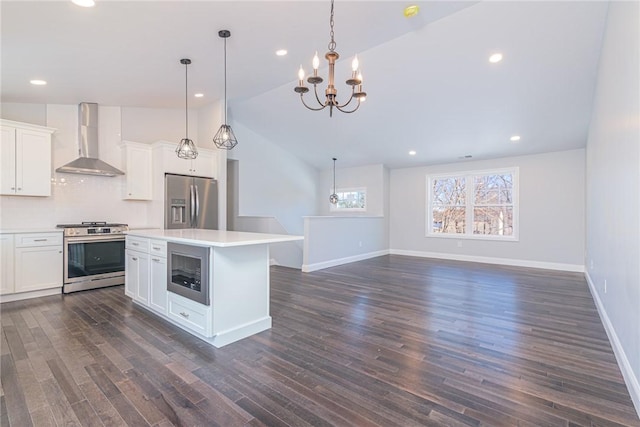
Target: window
x: 478, y: 204
x: 350, y: 200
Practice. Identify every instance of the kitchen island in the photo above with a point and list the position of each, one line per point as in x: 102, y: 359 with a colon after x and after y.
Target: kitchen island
x: 237, y: 304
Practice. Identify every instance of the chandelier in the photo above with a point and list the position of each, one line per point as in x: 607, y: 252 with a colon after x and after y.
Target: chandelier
x: 331, y: 93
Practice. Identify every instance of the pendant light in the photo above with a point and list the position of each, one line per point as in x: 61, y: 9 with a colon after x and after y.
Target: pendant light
x: 333, y: 198
x: 225, y: 138
x: 186, y: 148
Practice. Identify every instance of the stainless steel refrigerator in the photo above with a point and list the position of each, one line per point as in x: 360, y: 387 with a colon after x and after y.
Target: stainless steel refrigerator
x: 190, y: 202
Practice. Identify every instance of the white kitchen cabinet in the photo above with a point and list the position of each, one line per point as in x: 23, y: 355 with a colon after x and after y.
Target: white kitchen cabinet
x: 6, y: 264
x: 203, y: 165
x: 138, y: 170
x: 38, y: 261
x: 25, y: 159
x: 137, y: 276
x: 158, y: 273
x: 190, y: 314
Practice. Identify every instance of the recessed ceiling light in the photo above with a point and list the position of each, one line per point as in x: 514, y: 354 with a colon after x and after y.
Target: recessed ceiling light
x: 84, y: 3
x: 281, y: 52
x: 412, y: 153
x: 38, y: 82
x: 515, y: 138
x: 199, y: 95
x: 496, y: 57
x: 411, y: 11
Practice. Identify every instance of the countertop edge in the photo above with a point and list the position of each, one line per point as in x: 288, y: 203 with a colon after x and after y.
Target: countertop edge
x: 268, y: 239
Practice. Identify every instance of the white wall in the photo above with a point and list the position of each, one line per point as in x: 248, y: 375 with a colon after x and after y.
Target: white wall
x: 149, y: 125
x: 273, y: 182
x: 331, y: 240
x: 27, y: 113
x: 551, y: 213
x: 370, y: 177
x: 613, y: 190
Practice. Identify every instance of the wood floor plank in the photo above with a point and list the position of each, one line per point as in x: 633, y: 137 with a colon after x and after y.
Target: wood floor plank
x: 389, y: 341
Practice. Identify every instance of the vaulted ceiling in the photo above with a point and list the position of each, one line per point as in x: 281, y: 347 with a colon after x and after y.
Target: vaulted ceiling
x: 430, y: 85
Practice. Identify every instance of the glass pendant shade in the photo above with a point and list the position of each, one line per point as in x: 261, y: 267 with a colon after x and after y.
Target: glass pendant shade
x: 187, y: 149
x: 225, y: 138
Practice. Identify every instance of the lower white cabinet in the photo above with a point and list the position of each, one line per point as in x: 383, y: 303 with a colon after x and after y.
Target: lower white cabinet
x: 146, y: 273
x: 190, y: 314
x: 137, y: 276
x: 30, y: 262
x: 158, y: 298
x: 7, y: 284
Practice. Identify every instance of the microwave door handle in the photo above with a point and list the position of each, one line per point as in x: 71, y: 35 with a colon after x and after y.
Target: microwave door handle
x: 197, y: 206
x: 192, y: 203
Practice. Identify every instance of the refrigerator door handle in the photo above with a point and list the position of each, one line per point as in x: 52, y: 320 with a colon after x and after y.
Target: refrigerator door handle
x: 192, y: 201
x: 197, y: 207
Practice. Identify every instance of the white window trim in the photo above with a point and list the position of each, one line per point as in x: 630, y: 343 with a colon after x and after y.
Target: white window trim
x: 468, y: 235
x: 335, y: 208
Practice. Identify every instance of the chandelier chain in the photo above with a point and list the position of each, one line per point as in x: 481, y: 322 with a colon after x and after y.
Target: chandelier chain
x: 332, y: 43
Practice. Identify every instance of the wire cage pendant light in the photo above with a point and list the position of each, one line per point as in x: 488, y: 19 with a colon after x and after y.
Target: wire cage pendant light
x: 225, y: 138
x: 186, y: 148
x: 331, y: 93
x: 333, y: 198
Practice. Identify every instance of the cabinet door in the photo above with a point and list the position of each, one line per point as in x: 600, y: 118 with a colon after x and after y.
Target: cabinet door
x: 137, y: 276
x: 33, y: 163
x: 8, y: 161
x: 38, y: 267
x: 131, y: 267
x: 6, y: 264
x: 138, y: 163
x: 204, y: 164
x: 158, y: 297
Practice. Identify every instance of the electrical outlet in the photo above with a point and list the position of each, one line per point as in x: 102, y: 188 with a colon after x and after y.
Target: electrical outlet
x: 360, y: 244
x: 459, y: 243
x: 591, y: 264
x: 605, y: 286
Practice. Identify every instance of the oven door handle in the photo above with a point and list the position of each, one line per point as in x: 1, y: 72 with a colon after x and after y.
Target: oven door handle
x: 93, y: 239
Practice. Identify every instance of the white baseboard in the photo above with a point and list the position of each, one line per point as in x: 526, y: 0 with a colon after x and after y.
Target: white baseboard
x: 307, y: 268
x: 633, y: 383
x: 492, y: 260
x: 32, y: 294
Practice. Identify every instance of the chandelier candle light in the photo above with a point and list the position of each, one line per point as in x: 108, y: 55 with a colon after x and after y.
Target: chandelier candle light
x: 331, y: 93
x: 225, y: 138
x: 186, y: 148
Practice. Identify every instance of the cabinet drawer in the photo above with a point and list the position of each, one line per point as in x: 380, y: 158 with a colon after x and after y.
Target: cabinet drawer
x: 138, y: 244
x: 39, y: 239
x: 158, y: 247
x: 192, y: 315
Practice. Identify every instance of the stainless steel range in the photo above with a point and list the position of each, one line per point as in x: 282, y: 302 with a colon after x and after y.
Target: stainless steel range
x: 94, y: 254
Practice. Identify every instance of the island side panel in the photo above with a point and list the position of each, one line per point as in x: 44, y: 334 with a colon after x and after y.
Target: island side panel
x: 240, y: 292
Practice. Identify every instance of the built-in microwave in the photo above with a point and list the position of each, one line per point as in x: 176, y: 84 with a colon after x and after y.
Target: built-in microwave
x: 188, y: 271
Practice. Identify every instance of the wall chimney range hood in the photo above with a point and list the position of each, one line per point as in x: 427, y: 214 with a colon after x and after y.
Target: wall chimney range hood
x: 88, y: 162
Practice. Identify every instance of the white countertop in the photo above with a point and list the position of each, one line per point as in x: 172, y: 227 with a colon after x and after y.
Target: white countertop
x: 218, y: 238
x: 30, y: 230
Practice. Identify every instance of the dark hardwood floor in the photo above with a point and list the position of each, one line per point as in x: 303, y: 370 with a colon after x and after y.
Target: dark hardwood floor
x: 391, y: 341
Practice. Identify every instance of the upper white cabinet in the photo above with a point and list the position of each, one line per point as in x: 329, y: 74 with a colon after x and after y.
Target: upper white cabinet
x: 25, y: 159
x: 204, y: 165
x: 138, y: 170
